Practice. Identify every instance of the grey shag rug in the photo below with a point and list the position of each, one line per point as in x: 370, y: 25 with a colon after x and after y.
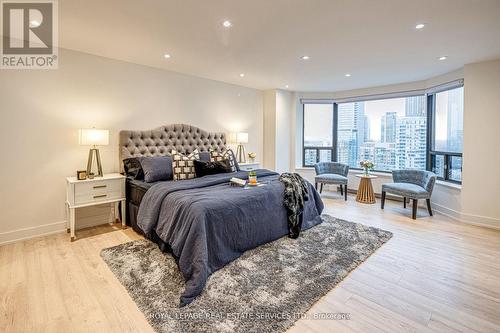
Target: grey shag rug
x: 265, y: 290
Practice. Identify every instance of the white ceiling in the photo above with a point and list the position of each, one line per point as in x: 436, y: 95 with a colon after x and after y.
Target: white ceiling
x: 374, y: 40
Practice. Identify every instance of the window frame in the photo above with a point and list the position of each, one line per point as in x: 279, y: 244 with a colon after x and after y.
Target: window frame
x: 398, y: 95
x: 431, y: 131
x: 332, y: 148
x: 430, y: 106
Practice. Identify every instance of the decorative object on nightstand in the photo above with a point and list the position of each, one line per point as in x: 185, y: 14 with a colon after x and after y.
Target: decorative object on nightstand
x: 249, y: 166
x: 90, y: 192
x: 365, y: 190
x: 81, y: 175
x: 241, y: 138
x: 93, y: 137
x: 251, y: 157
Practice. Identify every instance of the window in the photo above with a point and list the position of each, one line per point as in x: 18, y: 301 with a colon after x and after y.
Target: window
x: 318, y: 133
x: 422, y: 132
x: 390, y: 132
x: 447, y: 133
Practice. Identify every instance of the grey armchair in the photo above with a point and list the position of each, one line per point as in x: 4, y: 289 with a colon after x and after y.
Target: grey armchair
x: 411, y: 184
x: 332, y: 173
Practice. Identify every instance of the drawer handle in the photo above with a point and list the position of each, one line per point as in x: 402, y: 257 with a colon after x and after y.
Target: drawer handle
x: 100, y: 186
x: 100, y: 196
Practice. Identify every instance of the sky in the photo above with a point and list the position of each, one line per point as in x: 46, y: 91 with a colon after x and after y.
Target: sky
x: 441, y: 121
x: 374, y: 110
x: 319, y: 121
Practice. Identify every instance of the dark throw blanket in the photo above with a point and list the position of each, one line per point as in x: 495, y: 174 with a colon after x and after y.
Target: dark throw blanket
x: 208, y: 223
x: 295, y: 195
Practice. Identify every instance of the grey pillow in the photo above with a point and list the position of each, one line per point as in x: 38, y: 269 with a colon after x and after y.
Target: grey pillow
x: 157, y: 168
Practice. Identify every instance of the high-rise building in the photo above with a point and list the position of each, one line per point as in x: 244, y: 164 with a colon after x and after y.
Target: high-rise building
x: 455, y: 119
x: 366, y: 122
x: 351, y: 131
x: 411, y: 143
x: 415, y: 106
x: 359, y: 117
x: 367, y: 151
x: 385, y: 156
x: 388, y: 127
x: 310, y: 157
x: 403, y: 139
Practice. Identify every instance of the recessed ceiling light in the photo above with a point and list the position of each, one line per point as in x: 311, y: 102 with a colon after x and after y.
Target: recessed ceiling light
x: 286, y: 86
x: 348, y: 75
x: 305, y: 57
x: 420, y: 26
x: 242, y: 75
x: 167, y: 56
x: 34, y: 24
x: 443, y: 58
x: 227, y: 24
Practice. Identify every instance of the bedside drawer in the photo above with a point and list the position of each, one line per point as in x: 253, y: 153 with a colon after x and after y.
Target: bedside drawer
x: 249, y: 166
x: 108, y: 189
x: 98, y: 187
x: 86, y: 198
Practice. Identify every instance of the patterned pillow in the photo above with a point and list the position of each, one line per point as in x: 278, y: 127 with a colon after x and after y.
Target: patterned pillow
x: 183, y: 166
x: 226, y: 154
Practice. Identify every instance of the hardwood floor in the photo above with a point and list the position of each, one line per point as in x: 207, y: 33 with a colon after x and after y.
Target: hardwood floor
x: 434, y: 275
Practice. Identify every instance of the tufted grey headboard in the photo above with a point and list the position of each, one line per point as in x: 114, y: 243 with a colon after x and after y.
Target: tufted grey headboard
x: 160, y: 141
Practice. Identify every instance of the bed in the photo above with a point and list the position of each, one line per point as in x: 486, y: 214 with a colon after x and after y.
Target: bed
x: 204, y: 222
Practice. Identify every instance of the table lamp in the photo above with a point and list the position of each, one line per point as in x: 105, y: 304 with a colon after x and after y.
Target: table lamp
x: 93, y: 137
x: 241, y: 138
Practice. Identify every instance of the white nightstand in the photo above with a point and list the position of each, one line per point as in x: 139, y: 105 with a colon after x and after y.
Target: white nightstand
x: 249, y: 166
x: 83, y: 193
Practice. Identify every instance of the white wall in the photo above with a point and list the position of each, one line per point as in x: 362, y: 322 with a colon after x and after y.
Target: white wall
x: 42, y: 110
x: 481, y: 170
x: 283, y: 130
x: 277, y: 129
x: 476, y: 200
x: 269, y: 155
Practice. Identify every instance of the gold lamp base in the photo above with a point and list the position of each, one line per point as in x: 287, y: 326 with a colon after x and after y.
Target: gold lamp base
x: 92, y: 152
x: 240, y: 154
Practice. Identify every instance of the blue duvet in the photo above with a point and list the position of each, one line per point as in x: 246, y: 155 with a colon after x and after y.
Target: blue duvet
x: 208, y: 223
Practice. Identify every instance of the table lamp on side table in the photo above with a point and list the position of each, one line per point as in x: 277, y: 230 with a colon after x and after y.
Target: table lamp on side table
x: 241, y: 138
x: 93, y: 137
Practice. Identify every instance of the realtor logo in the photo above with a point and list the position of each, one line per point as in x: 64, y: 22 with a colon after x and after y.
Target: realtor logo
x: 29, y: 34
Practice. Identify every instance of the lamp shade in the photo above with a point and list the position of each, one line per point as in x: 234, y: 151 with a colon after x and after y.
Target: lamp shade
x: 93, y: 137
x: 231, y: 138
x: 242, y: 137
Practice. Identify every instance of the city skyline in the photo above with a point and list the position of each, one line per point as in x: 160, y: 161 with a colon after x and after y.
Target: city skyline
x: 390, y: 132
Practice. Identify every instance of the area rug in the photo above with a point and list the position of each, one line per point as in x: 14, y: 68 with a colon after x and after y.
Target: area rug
x: 265, y: 290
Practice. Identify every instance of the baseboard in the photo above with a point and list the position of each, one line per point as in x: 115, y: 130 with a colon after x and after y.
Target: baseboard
x: 85, y: 218
x: 27, y: 233
x: 477, y: 220
x: 482, y: 221
x: 447, y: 211
x: 49, y: 229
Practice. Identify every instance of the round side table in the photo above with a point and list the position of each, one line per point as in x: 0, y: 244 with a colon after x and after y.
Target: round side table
x: 365, y: 190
